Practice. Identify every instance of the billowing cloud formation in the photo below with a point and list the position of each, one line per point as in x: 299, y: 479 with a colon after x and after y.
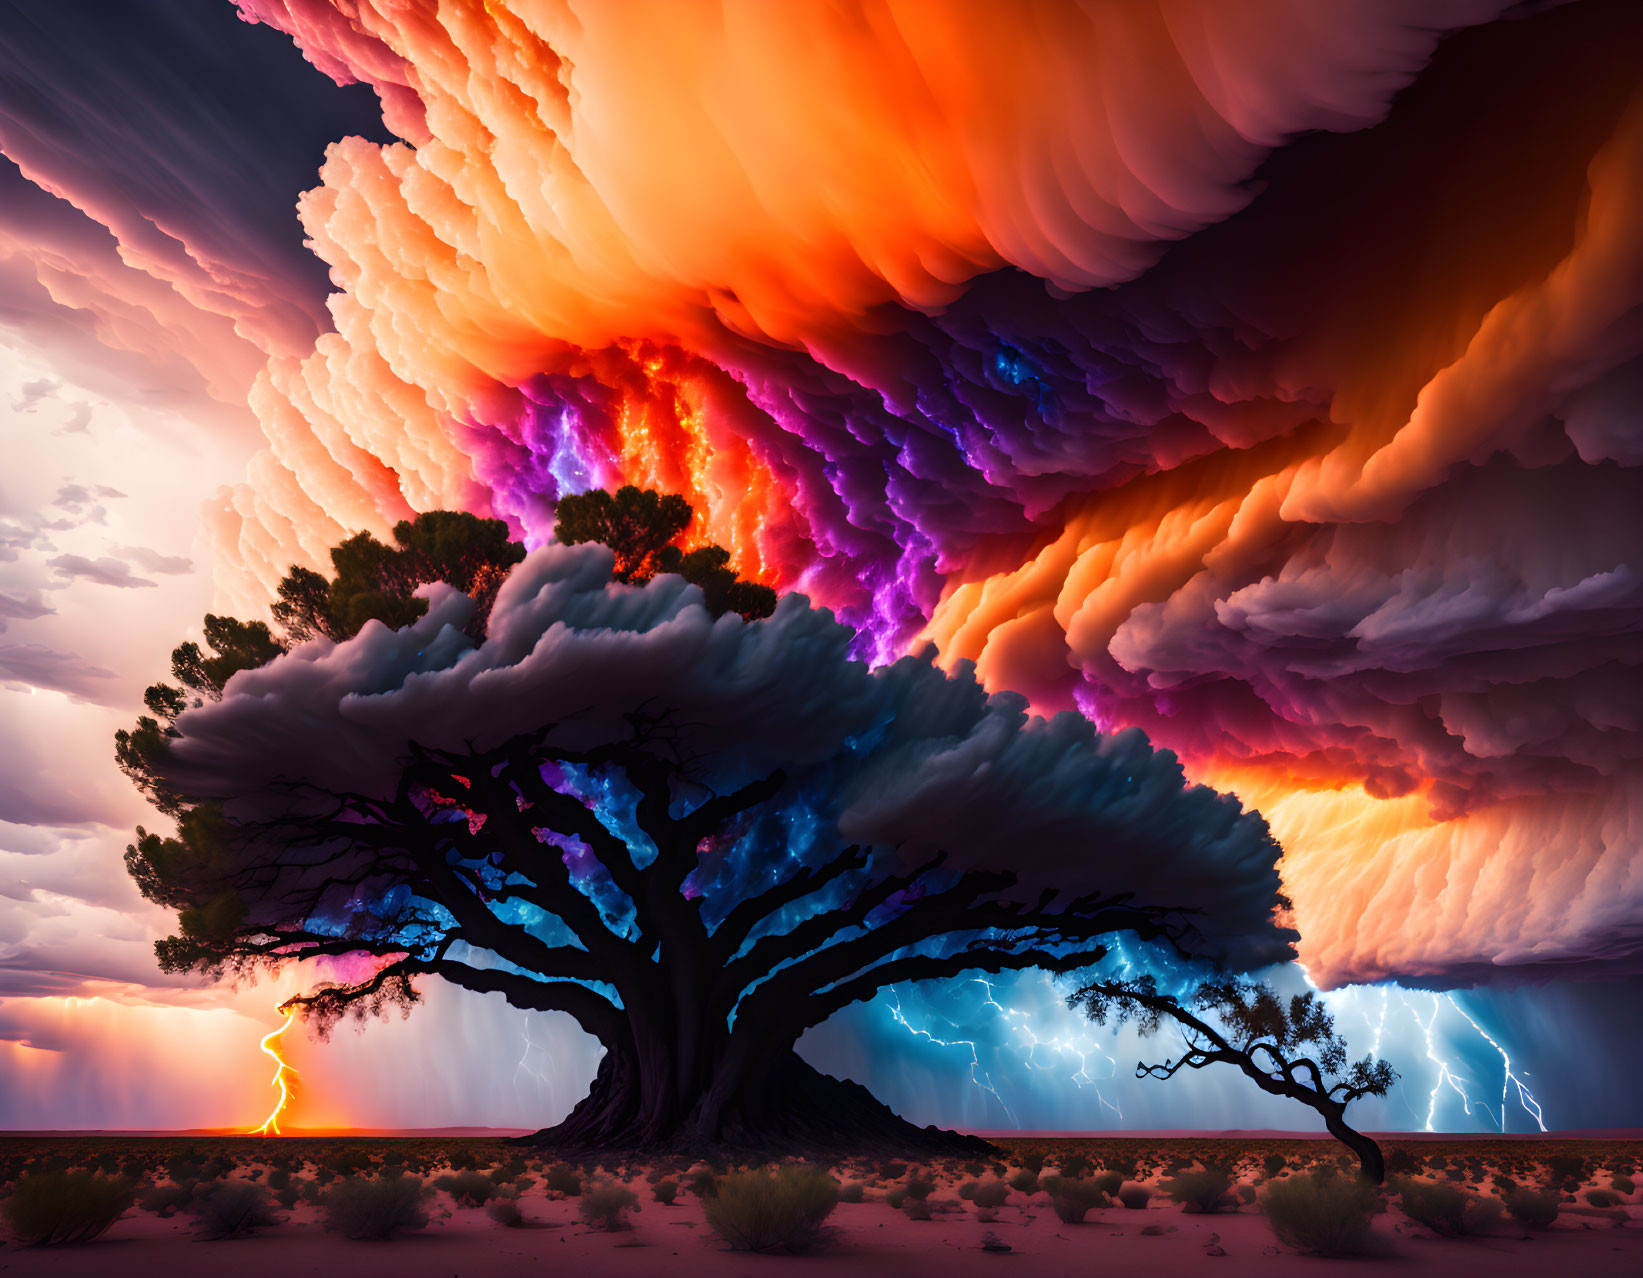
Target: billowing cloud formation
x: 900, y: 757
x: 1069, y: 342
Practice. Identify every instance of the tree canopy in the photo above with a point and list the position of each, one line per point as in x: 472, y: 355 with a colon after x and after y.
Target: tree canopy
x: 698, y: 838
x: 643, y: 529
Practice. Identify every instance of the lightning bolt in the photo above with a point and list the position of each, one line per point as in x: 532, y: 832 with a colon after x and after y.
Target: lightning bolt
x: 1526, y: 1098
x: 282, y: 1075
x: 978, y: 1075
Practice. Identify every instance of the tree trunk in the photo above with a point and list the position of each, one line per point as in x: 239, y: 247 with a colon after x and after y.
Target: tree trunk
x: 778, y: 1108
x: 1370, y: 1160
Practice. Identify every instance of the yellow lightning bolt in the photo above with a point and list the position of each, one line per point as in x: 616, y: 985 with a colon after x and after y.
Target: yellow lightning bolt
x: 282, y: 1073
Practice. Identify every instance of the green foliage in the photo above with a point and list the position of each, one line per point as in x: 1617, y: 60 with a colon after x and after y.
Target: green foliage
x: 638, y: 525
x: 235, y: 645
x: 376, y: 1208
x: 642, y: 528
x: 232, y: 1209
x: 468, y: 1188
x: 1445, y: 1208
x: 54, y: 1208
x: 1322, y: 1212
x: 783, y: 1212
x: 606, y: 1204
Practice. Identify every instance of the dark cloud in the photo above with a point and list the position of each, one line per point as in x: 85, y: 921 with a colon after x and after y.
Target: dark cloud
x: 154, y: 561
x: 24, y: 609
x: 900, y: 757
x: 105, y: 571
x: 38, y: 666
x: 35, y: 393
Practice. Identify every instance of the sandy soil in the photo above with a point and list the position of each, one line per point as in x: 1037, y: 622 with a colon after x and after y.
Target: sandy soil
x: 872, y: 1240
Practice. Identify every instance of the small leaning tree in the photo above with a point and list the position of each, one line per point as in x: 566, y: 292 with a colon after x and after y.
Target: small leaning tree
x: 695, y: 833
x: 1286, y: 1049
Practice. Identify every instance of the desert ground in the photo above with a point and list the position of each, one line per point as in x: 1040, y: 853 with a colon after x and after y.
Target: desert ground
x: 910, y: 1218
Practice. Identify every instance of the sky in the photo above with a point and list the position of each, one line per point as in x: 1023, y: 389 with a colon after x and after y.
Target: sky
x: 1268, y: 383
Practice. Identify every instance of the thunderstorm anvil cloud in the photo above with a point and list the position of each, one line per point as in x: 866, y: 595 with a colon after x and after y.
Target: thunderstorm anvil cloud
x: 1266, y: 377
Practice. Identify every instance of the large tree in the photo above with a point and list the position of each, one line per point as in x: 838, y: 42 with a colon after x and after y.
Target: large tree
x: 695, y: 834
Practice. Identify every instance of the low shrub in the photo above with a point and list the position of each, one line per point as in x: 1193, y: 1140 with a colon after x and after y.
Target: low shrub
x: 853, y: 1192
x: 468, y: 1188
x: 1534, y: 1208
x: 892, y: 1171
x: 704, y: 1182
x: 783, y: 1212
x: 376, y: 1207
x: 1026, y: 1180
x: 985, y: 1193
x: 1134, y: 1196
x: 1072, y: 1199
x: 1598, y: 1198
x: 505, y: 1212
x: 918, y: 1209
x: 896, y: 1197
x: 606, y: 1204
x: 232, y: 1209
x: 51, y: 1209
x: 1322, y: 1212
x: 918, y: 1188
x: 1272, y: 1164
x: 562, y: 1179
x: 1446, y: 1209
x: 279, y: 1177
x: 665, y: 1191
x: 1108, y: 1182
x: 1074, y: 1165
x: 1203, y: 1191
x: 1624, y: 1185
x: 164, y: 1200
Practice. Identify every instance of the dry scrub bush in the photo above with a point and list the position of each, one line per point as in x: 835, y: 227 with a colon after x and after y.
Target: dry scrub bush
x: 232, y: 1209
x: 468, y: 1188
x: 1446, y: 1209
x: 1072, y: 1199
x: 376, y: 1207
x: 505, y: 1212
x: 605, y: 1206
x: 1536, y: 1208
x: 164, y: 1200
x: 1203, y: 1191
x: 1134, y: 1196
x: 665, y: 1191
x: 1322, y: 1212
x: 51, y: 1209
x: 783, y: 1212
